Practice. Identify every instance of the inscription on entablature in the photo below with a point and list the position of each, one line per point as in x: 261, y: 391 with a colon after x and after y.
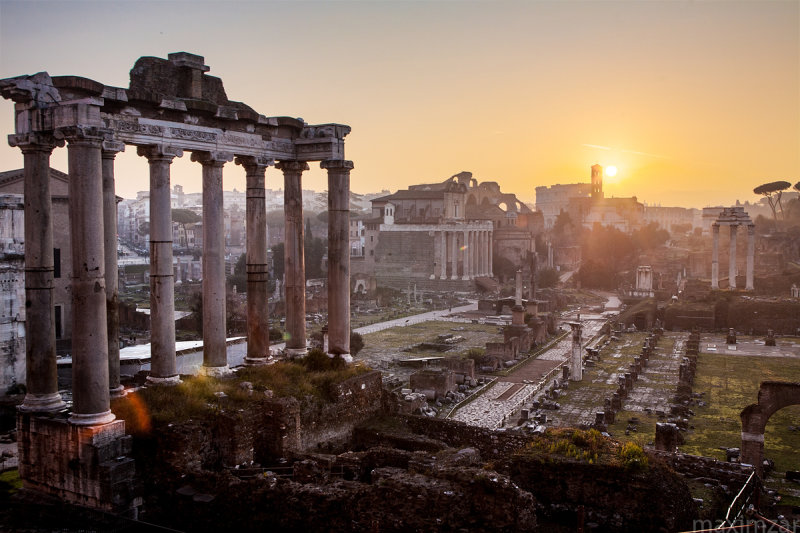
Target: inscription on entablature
x: 193, y: 135
x: 135, y: 127
x: 313, y: 148
x: 242, y: 140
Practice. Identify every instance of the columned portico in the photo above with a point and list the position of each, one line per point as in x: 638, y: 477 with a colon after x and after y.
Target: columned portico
x: 110, y: 150
x: 733, y: 217
x: 294, y: 260
x: 215, y: 356
x: 41, y: 376
x: 163, y: 367
x: 91, y: 401
x: 338, y: 256
x: 257, y: 268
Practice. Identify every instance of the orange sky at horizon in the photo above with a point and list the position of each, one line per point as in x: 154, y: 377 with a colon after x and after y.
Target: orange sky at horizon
x: 695, y: 103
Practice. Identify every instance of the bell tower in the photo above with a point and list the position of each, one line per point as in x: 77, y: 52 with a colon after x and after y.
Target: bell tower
x: 597, y: 182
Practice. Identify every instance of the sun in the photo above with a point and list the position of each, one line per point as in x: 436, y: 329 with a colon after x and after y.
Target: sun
x: 611, y: 171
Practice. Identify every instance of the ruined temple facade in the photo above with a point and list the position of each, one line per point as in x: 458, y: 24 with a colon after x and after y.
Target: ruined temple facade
x: 442, y: 236
x: 172, y: 106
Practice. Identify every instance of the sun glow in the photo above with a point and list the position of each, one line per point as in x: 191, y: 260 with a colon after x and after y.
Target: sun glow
x: 611, y: 171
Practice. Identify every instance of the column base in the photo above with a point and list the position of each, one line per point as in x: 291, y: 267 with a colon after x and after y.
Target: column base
x: 346, y: 356
x: 433, y: 276
x: 749, y: 288
x: 216, y: 371
x: 465, y: 278
x: 93, y: 419
x: 454, y: 278
x: 296, y: 352
x: 117, y: 392
x: 42, y: 403
x: 171, y: 380
x: 255, y: 361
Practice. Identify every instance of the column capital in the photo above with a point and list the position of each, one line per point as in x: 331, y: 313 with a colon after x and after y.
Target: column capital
x: 336, y: 164
x: 254, y: 164
x: 159, y: 152
x: 34, y: 141
x: 84, y: 134
x: 751, y: 229
x: 214, y: 159
x: 292, y: 166
x: 112, y: 148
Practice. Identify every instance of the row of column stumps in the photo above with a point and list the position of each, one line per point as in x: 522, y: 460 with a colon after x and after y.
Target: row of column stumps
x: 751, y: 231
x: 94, y: 282
x: 476, y: 254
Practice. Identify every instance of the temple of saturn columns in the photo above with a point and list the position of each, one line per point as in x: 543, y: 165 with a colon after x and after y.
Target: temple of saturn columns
x: 733, y: 217
x: 172, y: 106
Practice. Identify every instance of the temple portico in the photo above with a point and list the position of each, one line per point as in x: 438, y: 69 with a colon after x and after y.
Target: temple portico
x: 170, y: 107
x: 733, y: 217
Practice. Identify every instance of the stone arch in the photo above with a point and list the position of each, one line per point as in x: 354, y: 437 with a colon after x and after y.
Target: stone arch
x: 772, y: 396
x: 471, y: 200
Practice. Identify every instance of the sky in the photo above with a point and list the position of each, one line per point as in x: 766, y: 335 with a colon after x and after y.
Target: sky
x: 695, y: 103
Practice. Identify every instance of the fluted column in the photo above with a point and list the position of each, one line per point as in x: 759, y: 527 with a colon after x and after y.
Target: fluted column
x: 41, y: 378
x: 476, y: 266
x: 751, y: 252
x: 110, y: 150
x: 294, y: 260
x: 215, y: 353
x: 732, y: 260
x: 715, y: 257
x: 453, y: 255
x: 576, y: 360
x: 257, y: 271
x: 91, y: 400
x: 443, y: 273
x: 338, y: 256
x: 163, y: 364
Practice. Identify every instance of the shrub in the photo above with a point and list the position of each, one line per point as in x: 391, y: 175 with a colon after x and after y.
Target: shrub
x: 632, y: 456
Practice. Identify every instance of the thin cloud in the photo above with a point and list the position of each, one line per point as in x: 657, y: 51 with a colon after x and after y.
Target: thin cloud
x: 645, y: 154
x: 597, y: 146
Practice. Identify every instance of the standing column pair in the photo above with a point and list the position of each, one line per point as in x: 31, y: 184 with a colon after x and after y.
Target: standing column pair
x: 90, y: 365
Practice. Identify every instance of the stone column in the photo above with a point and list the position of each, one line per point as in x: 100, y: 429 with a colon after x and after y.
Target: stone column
x: 215, y: 353
x: 163, y: 366
x: 338, y: 257
x: 715, y: 257
x: 576, y: 362
x: 454, y: 255
x: 465, y: 256
x: 257, y: 271
x: 491, y: 256
x: 443, y: 274
x: 91, y: 400
x: 751, y: 252
x: 732, y: 260
x: 110, y: 149
x: 294, y: 261
x: 41, y: 378
x: 484, y: 253
x: 474, y: 253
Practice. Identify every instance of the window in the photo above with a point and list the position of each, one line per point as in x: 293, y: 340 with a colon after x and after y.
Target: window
x: 372, y: 252
x: 371, y: 238
x: 56, y: 262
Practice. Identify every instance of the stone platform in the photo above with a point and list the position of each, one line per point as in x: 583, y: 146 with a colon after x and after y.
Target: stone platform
x: 82, y: 465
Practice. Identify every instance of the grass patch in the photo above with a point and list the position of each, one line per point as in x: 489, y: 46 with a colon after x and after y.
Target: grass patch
x: 10, y: 482
x: 588, y: 446
x: 198, y: 397
x: 396, y: 339
x: 730, y: 384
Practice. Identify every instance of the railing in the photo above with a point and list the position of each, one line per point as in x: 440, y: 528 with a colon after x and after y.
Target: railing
x: 747, y: 494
